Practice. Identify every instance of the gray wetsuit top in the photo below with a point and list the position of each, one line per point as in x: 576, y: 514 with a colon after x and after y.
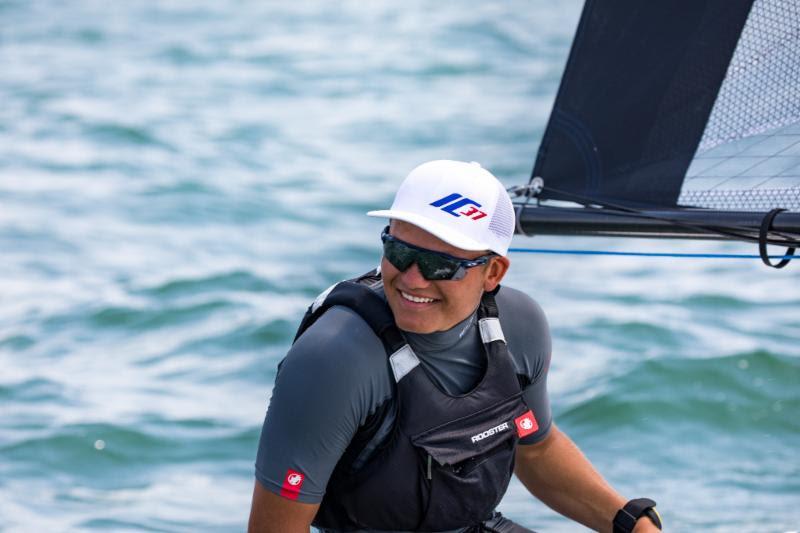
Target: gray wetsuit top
x: 336, y: 375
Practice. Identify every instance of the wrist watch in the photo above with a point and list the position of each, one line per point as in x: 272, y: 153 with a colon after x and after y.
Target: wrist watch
x: 625, y: 519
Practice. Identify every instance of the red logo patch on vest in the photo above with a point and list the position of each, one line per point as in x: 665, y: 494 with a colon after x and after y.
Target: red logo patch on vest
x: 526, y: 424
x: 291, y: 484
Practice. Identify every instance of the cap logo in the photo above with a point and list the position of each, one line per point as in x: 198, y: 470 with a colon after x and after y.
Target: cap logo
x: 454, y: 201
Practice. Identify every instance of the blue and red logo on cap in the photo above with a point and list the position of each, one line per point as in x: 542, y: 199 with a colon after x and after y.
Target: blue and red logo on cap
x: 454, y: 201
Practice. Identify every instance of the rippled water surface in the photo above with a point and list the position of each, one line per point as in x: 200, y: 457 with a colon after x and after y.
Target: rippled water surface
x: 179, y: 179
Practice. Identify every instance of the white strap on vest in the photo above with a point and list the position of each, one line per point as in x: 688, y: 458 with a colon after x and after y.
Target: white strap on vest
x: 491, y: 330
x: 403, y: 361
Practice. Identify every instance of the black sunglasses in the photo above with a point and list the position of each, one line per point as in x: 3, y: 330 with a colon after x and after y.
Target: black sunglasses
x: 434, y: 266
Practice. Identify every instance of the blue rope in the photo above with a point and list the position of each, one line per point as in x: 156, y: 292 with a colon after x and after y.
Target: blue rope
x: 642, y: 254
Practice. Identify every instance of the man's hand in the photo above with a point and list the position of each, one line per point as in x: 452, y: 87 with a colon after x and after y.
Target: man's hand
x: 271, y: 513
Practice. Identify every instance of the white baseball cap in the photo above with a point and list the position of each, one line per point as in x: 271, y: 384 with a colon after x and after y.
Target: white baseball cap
x: 461, y: 203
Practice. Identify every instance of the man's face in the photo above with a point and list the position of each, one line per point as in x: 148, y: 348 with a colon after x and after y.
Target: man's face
x: 442, y: 304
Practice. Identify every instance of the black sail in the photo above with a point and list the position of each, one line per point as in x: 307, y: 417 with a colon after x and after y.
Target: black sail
x: 629, y: 130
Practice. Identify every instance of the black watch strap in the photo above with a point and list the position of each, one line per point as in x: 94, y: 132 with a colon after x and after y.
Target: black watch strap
x: 625, y: 519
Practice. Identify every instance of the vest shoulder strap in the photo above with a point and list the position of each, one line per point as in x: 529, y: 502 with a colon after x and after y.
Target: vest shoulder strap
x: 357, y: 295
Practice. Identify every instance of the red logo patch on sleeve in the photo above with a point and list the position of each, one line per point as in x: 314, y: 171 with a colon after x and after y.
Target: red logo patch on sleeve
x: 526, y: 424
x: 291, y: 484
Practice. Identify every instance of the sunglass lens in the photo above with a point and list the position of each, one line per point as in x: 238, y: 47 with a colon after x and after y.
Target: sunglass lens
x: 436, y: 267
x: 399, y: 255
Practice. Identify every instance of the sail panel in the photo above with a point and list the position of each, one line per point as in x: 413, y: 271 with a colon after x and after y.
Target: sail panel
x: 749, y: 156
x: 755, y: 173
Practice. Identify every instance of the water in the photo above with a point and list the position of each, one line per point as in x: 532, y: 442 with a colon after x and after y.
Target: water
x: 179, y: 179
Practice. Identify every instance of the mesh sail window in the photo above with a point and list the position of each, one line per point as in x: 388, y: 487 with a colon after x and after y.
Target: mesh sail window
x: 749, y: 156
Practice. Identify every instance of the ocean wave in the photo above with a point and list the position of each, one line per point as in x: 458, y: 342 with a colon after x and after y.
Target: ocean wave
x: 17, y: 342
x: 130, y: 449
x: 32, y: 390
x: 252, y: 336
x: 627, y: 336
x: 125, y: 134
x: 138, y: 319
x: 747, y: 392
x: 232, y: 281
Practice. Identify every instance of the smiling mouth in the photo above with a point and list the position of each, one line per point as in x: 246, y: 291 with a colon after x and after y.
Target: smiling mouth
x: 415, y: 299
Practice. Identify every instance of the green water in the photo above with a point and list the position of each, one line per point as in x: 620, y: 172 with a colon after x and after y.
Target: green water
x: 179, y: 180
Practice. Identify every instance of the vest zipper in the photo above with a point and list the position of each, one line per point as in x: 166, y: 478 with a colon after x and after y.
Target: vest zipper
x: 429, y: 467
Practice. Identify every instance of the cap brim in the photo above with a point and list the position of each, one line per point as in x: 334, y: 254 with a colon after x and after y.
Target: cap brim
x: 433, y: 227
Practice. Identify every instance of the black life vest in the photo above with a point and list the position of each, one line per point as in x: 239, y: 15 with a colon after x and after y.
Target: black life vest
x: 447, y: 460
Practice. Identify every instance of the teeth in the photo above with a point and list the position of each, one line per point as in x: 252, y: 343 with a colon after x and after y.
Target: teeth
x: 416, y: 299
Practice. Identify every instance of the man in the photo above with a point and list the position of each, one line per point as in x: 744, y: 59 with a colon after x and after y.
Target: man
x: 411, y: 393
